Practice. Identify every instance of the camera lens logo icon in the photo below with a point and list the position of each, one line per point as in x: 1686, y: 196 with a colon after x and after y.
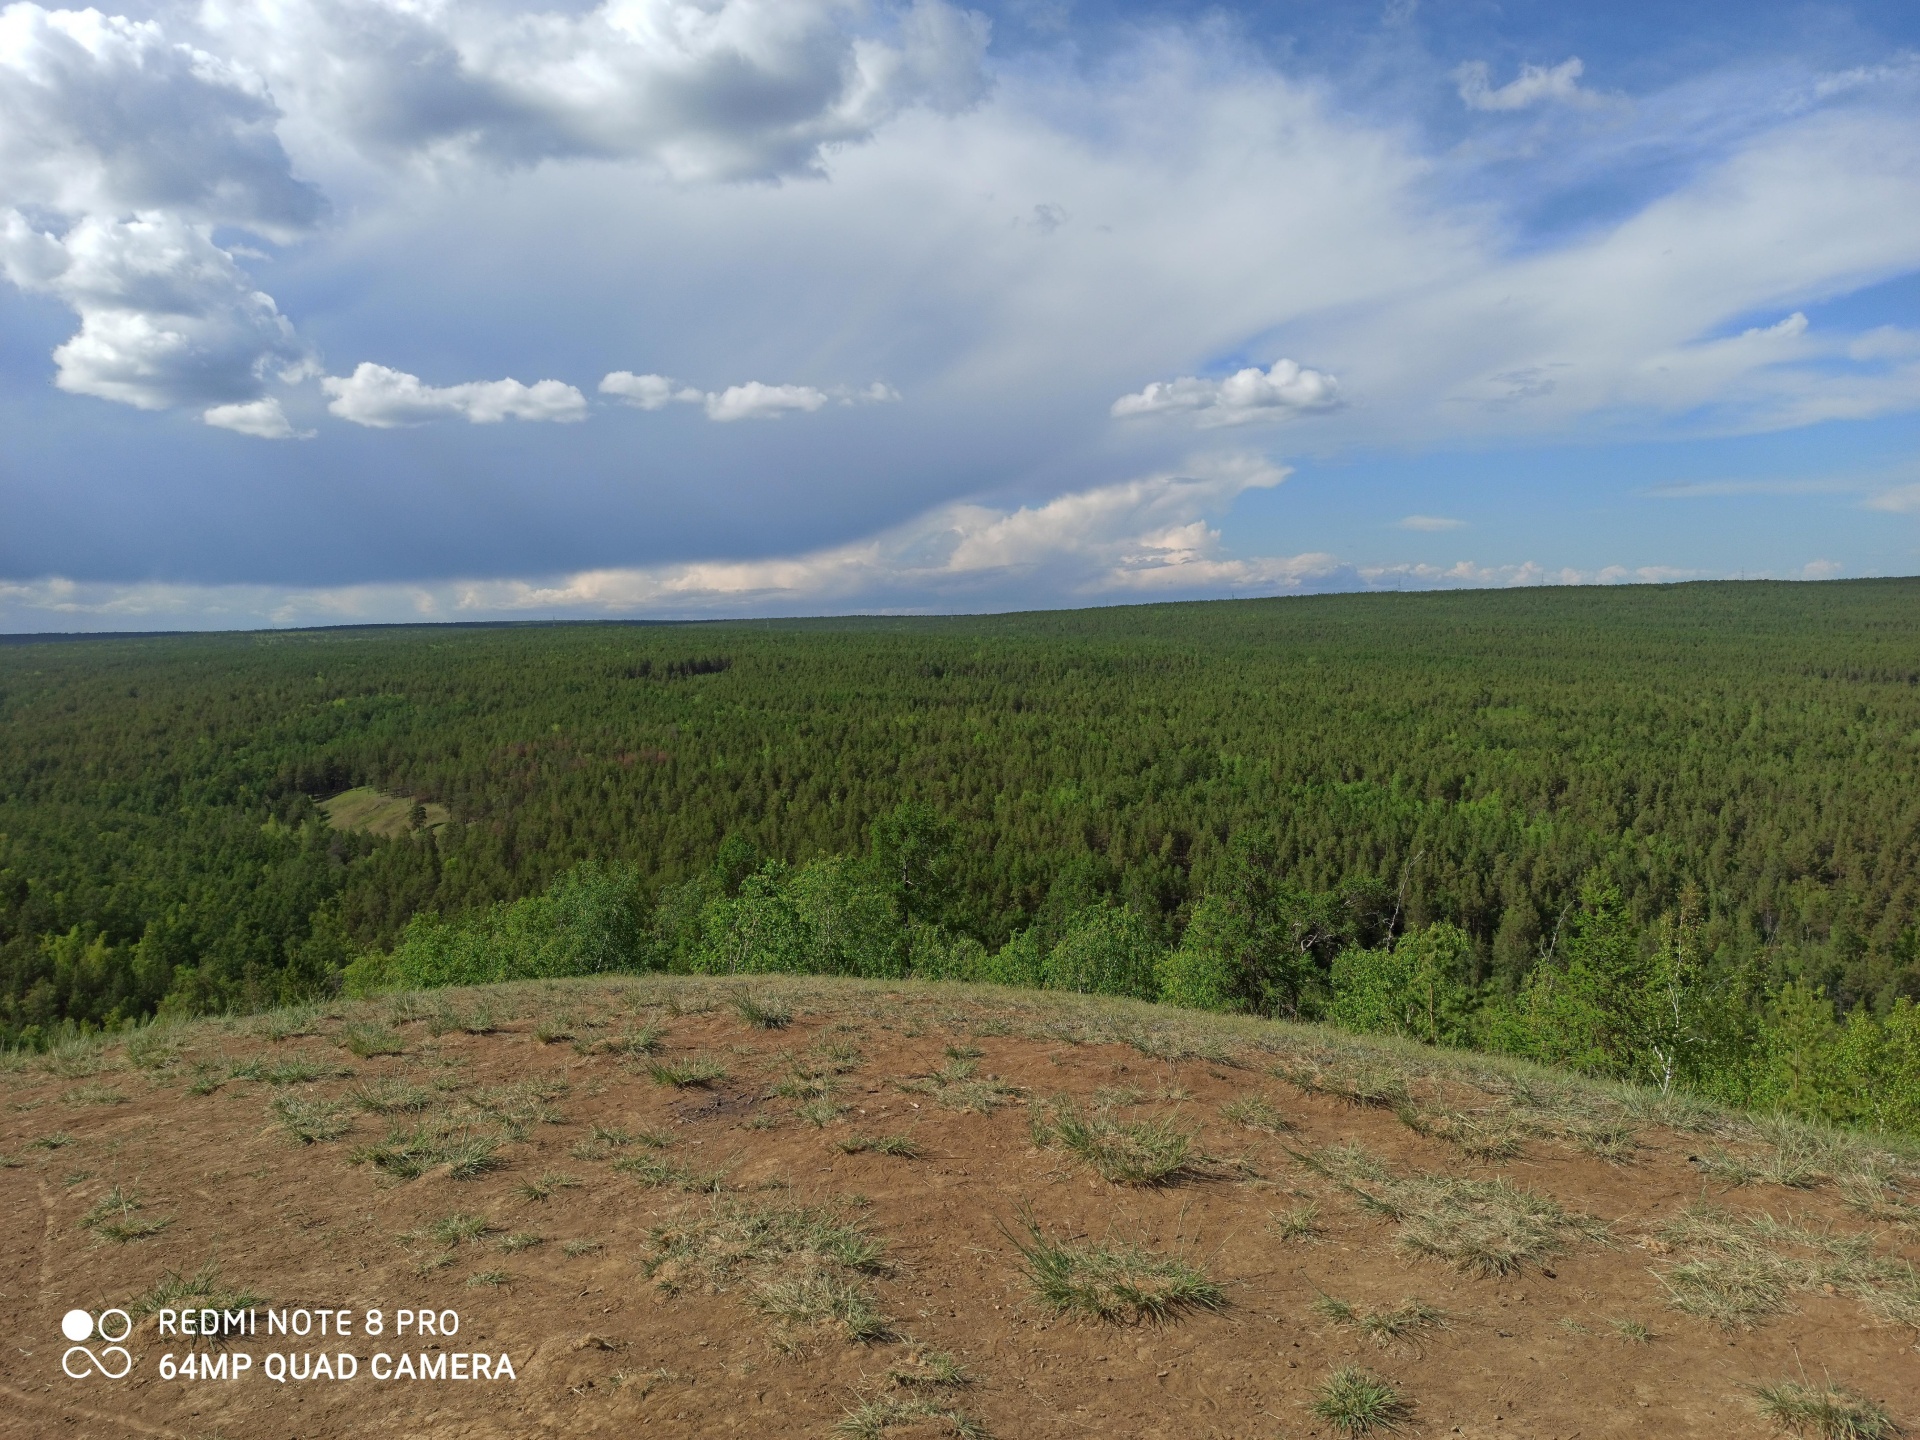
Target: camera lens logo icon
x: 112, y: 1362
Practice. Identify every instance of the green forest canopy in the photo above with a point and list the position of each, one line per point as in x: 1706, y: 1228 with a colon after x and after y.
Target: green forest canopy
x: 1469, y: 758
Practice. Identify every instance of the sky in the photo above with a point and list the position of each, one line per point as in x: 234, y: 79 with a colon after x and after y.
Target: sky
x: 330, y: 311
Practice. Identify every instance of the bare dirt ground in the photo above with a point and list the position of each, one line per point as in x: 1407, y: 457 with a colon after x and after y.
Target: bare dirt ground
x: 835, y: 1219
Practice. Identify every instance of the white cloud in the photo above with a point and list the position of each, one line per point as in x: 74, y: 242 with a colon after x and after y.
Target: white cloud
x: 166, y: 317
x: 263, y: 419
x: 1899, y: 500
x: 1150, y: 536
x: 1430, y: 522
x: 1243, y: 397
x: 1534, y: 85
x: 647, y: 392
x: 702, y: 89
x: 1470, y: 575
x: 1884, y: 342
x: 1822, y: 570
x: 755, y: 401
x: 383, y: 398
x: 141, y: 143
x: 128, y: 148
x: 102, y: 115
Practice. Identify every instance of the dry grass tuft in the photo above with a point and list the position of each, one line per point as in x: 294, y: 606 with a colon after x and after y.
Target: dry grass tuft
x: 310, y: 1121
x: 1480, y: 1227
x: 1358, y: 1402
x: 116, y: 1217
x: 657, y: 1172
x: 805, y: 1267
x: 1357, y: 1083
x: 1405, y: 1323
x: 1478, y: 1135
x: 368, y: 1040
x: 760, y: 1011
x: 902, y: 1147
x: 1300, y: 1224
x: 1125, y: 1283
x: 957, y: 1085
x: 408, y: 1154
x: 1252, y: 1112
x: 1126, y: 1152
x: 694, y: 1070
x: 1741, y: 1269
x: 1825, y: 1412
x: 871, y: 1419
x: 392, y: 1097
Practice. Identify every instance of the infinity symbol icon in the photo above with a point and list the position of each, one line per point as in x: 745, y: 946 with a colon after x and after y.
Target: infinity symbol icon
x: 98, y: 1363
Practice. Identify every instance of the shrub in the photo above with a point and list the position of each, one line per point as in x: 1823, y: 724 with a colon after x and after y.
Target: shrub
x: 1018, y: 962
x: 586, y: 923
x: 1107, y: 950
x: 1416, y: 986
x: 758, y: 931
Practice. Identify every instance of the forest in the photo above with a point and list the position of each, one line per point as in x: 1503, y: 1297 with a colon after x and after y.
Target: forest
x: 1510, y: 802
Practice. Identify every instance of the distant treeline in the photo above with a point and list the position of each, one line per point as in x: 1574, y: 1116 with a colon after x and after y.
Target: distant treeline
x: 1744, y: 755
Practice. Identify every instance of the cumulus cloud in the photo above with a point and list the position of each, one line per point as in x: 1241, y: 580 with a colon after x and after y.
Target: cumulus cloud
x: 383, y: 398
x: 262, y: 419
x: 129, y: 148
x: 1535, y: 85
x: 647, y: 392
x: 130, y: 145
x: 752, y: 400
x: 1430, y: 522
x: 703, y: 89
x: 102, y: 115
x: 1243, y: 397
x: 166, y: 317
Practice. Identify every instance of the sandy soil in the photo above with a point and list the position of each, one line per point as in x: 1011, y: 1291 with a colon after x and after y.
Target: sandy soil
x: 600, y: 1347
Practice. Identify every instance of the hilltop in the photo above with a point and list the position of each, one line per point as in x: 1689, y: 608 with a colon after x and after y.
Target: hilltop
x: 688, y: 1206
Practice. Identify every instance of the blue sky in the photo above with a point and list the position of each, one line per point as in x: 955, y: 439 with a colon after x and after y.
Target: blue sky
x: 316, y: 311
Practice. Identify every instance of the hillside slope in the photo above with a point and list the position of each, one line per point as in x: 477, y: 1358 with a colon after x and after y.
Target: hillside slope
x: 687, y: 1207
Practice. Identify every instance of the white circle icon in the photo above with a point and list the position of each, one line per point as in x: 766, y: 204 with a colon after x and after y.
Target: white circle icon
x: 126, y: 1325
x: 76, y: 1325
